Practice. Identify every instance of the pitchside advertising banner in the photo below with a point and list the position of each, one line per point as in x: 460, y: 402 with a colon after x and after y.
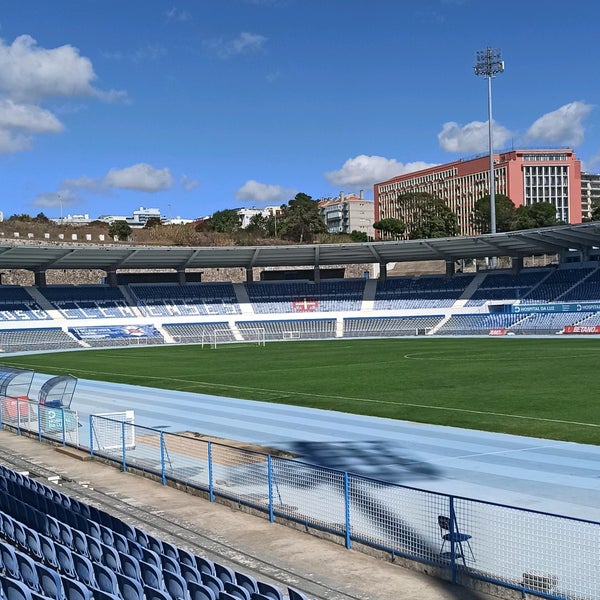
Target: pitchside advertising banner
x: 104, y: 333
x: 555, y: 307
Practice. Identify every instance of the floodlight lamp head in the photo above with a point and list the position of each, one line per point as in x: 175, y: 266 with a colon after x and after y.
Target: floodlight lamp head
x: 489, y: 62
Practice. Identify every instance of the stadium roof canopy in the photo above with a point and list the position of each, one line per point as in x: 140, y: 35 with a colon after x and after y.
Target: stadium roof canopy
x: 549, y: 240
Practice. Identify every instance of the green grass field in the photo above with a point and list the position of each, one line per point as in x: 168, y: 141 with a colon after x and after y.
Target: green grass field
x: 537, y: 387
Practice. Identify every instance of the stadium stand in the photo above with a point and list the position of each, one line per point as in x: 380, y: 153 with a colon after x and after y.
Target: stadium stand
x: 195, y: 333
x: 299, y: 329
x: 191, y: 299
x: 420, y: 292
x: 87, y: 301
x: 16, y: 304
x: 304, y: 296
x: 40, y: 559
x: 18, y: 340
x: 389, y: 326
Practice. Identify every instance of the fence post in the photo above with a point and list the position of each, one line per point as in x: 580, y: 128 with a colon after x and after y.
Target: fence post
x: 347, y: 509
x: 18, y: 416
x: 91, y: 435
x: 211, y: 492
x: 123, y: 445
x: 39, y: 420
x: 163, y: 473
x: 64, y: 432
x: 452, y: 542
x: 270, y: 483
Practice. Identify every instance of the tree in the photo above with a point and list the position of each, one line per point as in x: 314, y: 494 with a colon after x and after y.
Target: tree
x: 541, y: 214
x: 24, y: 217
x: 358, y: 236
x: 394, y: 227
x: 225, y: 221
x: 301, y: 219
x: 505, y: 214
x: 41, y: 218
x: 426, y: 216
x: 260, y: 226
x: 119, y: 230
x: 152, y: 222
x: 595, y: 216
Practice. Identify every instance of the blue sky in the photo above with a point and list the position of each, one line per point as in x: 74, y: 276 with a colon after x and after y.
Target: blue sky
x: 200, y: 105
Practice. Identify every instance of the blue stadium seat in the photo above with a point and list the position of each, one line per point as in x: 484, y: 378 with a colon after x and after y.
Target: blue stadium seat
x: 205, y: 565
x: 65, y: 561
x: 13, y: 589
x: 9, y: 560
x: 135, y: 549
x: 154, y: 594
x: 27, y: 571
x: 270, y: 591
x: 80, y: 544
x: 50, y: 582
x: 170, y: 550
x: 198, y: 591
x: 84, y: 570
x: 190, y: 573
x: 212, y: 582
x: 187, y: 558
x: 151, y: 575
x: 295, y: 594
x: 33, y: 543
x: 75, y: 590
x: 259, y: 596
x: 151, y: 557
x: 130, y: 566
x: 153, y: 543
x: 224, y: 573
x: 106, y: 579
x: 227, y: 596
x: 246, y: 581
x: 129, y: 588
x: 48, y: 551
x: 94, y: 546
x: 236, y: 590
x: 110, y: 558
x: 176, y: 585
x: 106, y: 535
x: 170, y: 564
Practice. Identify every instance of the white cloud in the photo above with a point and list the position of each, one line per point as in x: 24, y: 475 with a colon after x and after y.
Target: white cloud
x: 177, y: 15
x: 592, y: 164
x: 188, y: 184
x: 472, y: 137
x: 365, y: 171
x: 27, y: 117
x: 562, y: 126
x: 244, y: 43
x: 28, y: 76
x: 264, y: 193
x: 140, y: 177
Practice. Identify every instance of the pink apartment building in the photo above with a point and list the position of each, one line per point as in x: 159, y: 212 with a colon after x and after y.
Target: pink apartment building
x: 525, y: 176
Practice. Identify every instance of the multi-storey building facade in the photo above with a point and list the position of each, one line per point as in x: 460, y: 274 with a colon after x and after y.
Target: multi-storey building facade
x: 525, y: 176
x: 348, y: 213
x: 590, y: 194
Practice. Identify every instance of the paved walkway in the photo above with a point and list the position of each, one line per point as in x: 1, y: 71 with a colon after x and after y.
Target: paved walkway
x: 272, y: 552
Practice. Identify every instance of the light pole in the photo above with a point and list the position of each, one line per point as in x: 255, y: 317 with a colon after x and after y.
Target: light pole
x: 489, y: 64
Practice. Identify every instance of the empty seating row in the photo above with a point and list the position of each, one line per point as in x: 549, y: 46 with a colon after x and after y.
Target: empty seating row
x: 81, y: 552
x: 389, y: 326
x: 16, y: 340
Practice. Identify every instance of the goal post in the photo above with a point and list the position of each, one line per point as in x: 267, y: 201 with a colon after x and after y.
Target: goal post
x: 237, y: 335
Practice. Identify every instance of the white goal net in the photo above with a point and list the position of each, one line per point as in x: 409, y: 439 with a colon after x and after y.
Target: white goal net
x: 241, y: 335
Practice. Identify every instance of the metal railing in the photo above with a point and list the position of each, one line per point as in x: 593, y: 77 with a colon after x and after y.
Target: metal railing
x: 549, y: 555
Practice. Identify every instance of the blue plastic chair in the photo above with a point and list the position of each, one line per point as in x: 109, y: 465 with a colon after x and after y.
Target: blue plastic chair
x: 20, y: 537
x: 33, y: 543
x: 152, y: 576
x: 65, y: 561
x: 259, y: 596
x: 9, y: 560
x: 176, y: 585
x: 236, y: 590
x: 187, y: 558
x: 80, y: 544
x: 190, y: 573
x: 106, y: 535
x: 50, y: 582
x: 106, y: 579
x: 151, y: 557
x: 66, y: 535
x: 270, y: 591
x: 129, y: 588
x: 246, y: 581
x: 199, y: 591
x: 48, y: 551
x: 120, y: 542
x: 130, y: 566
x: 227, y: 596
x: 84, y: 570
x: 170, y: 564
x: 205, y: 565
x: 224, y: 573
x: 155, y: 594
x: 170, y: 550
x: 53, y: 528
x: 153, y: 543
x: 27, y: 571
x: 13, y: 589
x: 212, y: 582
x: 295, y: 594
x: 110, y: 558
x: 75, y: 590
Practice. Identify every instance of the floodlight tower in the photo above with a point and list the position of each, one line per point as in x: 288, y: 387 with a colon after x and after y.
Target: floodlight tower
x: 489, y: 64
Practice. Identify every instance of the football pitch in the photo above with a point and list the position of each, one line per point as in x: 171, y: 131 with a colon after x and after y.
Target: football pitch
x: 544, y: 388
